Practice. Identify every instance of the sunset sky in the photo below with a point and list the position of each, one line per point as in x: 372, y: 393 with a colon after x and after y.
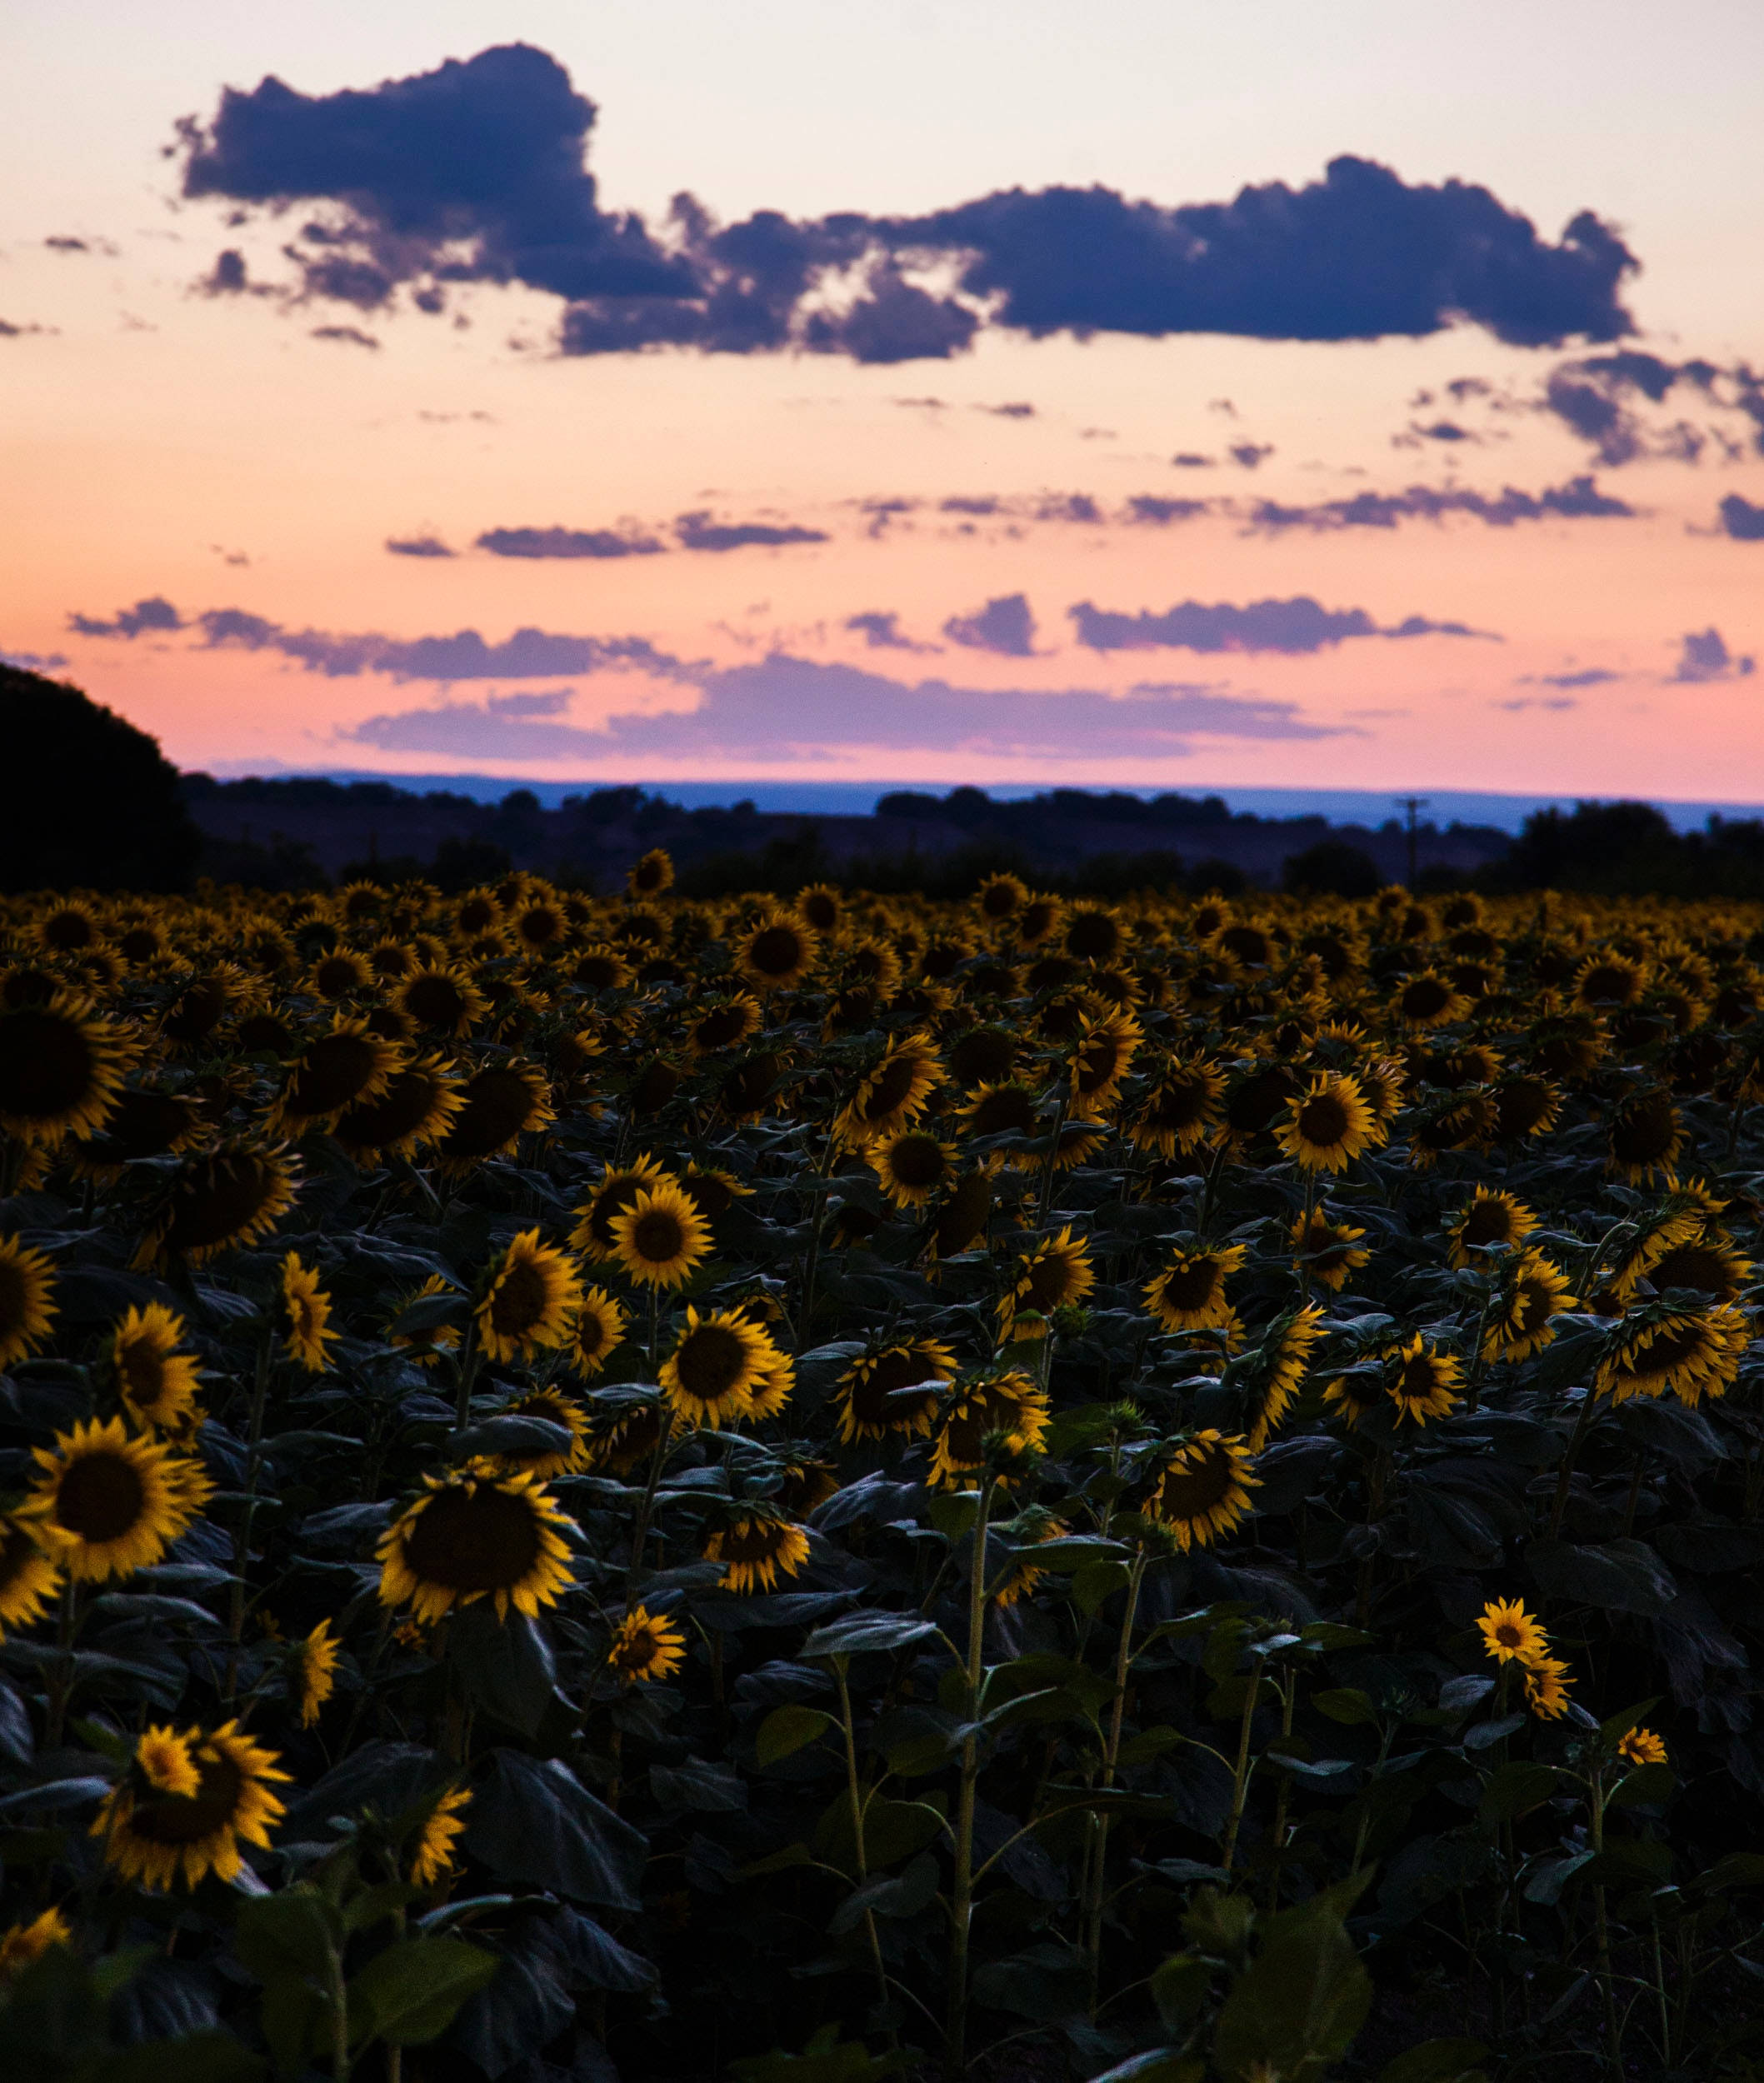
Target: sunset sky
x: 1162, y: 395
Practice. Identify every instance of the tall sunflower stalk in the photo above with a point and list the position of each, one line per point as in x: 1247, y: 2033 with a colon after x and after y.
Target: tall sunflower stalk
x: 962, y: 1888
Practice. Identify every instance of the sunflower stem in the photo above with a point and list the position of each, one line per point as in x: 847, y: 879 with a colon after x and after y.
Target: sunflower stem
x: 60, y: 1684
x: 1241, y: 1773
x: 854, y: 1802
x: 1565, y: 1475
x: 1111, y: 1752
x: 645, y: 1511
x: 470, y: 1357
x: 242, y: 1537
x: 961, y: 1889
x: 1051, y: 1175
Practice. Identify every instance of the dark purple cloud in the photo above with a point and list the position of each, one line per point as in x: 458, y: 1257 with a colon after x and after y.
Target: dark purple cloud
x: 1741, y: 520
x: 1149, y: 509
x: 476, y: 173
x: 1295, y: 627
x: 1578, y: 500
x: 566, y: 542
x: 1004, y: 626
x: 1187, y: 460
x: 1590, y: 677
x: 1704, y: 656
x: 698, y: 531
x: 881, y: 632
x: 145, y: 615
x: 35, y: 660
x: 529, y: 654
x: 346, y: 336
x: 1600, y: 398
x: 1251, y: 455
x: 418, y: 545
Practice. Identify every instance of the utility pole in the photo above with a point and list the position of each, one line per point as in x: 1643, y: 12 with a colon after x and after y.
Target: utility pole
x: 1411, y: 804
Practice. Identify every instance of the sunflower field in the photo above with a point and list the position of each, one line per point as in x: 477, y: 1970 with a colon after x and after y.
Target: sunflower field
x: 863, y: 1487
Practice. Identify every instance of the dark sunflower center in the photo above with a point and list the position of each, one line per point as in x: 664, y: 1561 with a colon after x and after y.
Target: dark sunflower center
x: 593, y: 1332
x: 777, y: 952
x: 1522, y: 1105
x: 718, y: 1028
x: 1488, y: 1223
x: 335, y: 974
x: 218, y: 1202
x: 405, y: 1107
x: 1051, y: 1281
x: 142, y: 1369
x: 890, y: 1087
x: 639, y: 1649
x: 1425, y: 998
x: 101, y: 1498
x: 484, y: 1542
x: 181, y: 1818
x: 888, y: 1373
x: 1192, y: 1287
x: 1200, y: 1484
x: 436, y: 1001
x: 1098, y: 1062
x: 1609, y: 982
x: 498, y: 1105
x: 522, y: 1296
x: 1179, y: 1106
x: 17, y: 1552
x: 963, y: 1216
x: 614, y: 1197
x: 988, y: 1410
x: 46, y: 1065
x: 917, y: 1161
x: 1010, y: 1108
x: 1258, y: 1100
x: 1694, y: 1266
x: 753, y: 1541
x: 1676, y: 1346
x: 712, y: 1361
x: 1324, y: 1120
x: 333, y: 1070
x: 1645, y: 1131
x: 983, y: 1056
x: 1531, y: 1309
x: 15, y: 1299
x: 656, y: 1236
x: 1417, y: 1378
x: 1093, y: 937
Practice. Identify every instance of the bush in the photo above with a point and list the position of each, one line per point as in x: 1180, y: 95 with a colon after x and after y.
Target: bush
x: 1332, y: 868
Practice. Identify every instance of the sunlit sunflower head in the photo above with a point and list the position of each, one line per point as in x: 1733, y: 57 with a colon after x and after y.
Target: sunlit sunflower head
x: 417, y: 1106
x: 645, y: 1647
x: 22, y: 1945
x: 1642, y: 1746
x: 1189, y: 1293
x: 1276, y: 1371
x: 1546, y: 1683
x: 723, y: 1023
x: 1007, y: 1407
x: 866, y: 1392
x: 432, y: 1849
x: 1200, y: 1487
x: 1646, y: 1137
x: 332, y: 1073
x: 776, y: 1386
x: 61, y: 1068
x: 1180, y: 1111
x: 154, y: 1836
x: 893, y: 1093
x: 27, y: 1308
x: 530, y: 1297
x: 1708, y: 1265
x: 440, y: 997
x: 651, y: 876
x: 777, y: 952
x: 600, y: 1326
x: 718, y: 1362
x: 476, y: 1533
x: 1520, y: 1323
x: 1428, y: 1000
x: 756, y: 1547
x: 1100, y: 1059
x: 313, y: 1672
x: 661, y: 1237
x: 619, y: 1187
x: 30, y: 1575
x: 1058, y: 1274
x: 1421, y: 1382
x: 113, y: 1505
x: 1489, y: 1217
x: 913, y: 1165
x: 305, y: 1316
x: 157, y: 1383
x: 1689, y: 1355
x: 1329, y: 1125
x: 1326, y: 1251
x: 500, y: 1103
x: 1510, y: 1634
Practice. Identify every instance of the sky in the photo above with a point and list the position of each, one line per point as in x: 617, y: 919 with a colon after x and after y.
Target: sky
x: 1149, y: 394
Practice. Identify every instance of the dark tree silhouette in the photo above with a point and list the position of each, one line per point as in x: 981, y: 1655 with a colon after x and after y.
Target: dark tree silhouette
x: 1333, y: 867
x: 92, y: 803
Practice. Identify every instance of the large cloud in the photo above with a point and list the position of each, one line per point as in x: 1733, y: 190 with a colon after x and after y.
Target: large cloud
x: 1578, y: 500
x: 796, y: 709
x: 476, y: 173
x: 1704, y: 655
x: 1295, y: 627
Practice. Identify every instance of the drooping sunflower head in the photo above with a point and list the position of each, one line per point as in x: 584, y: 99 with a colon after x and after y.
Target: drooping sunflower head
x: 1189, y: 1293
x: 1546, y: 1683
x: 777, y: 952
x: 418, y: 1106
x: 500, y: 1103
x: 757, y: 1547
x: 1330, y: 1125
x: 645, y: 1647
x: 30, y: 1577
x: 621, y: 1437
x: 1642, y: 1746
x: 219, y: 1200
x: 1421, y: 1382
x: 305, y: 1316
x: 1690, y: 1354
x: 476, y: 1533
x: 1006, y: 1410
x: 723, y: 1023
x: 22, y: 1945
x: 913, y: 1165
x: 1181, y: 1110
x: 661, y: 1237
x: 1707, y: 1266
x: 1057, y: 1274
x: 1510, y: 1634
x: 143, y: 1122
x: 112, y: 1504
x: 61, y: 1068
x: 651, y: 876
x: 1273, y: 1375
x: 442, y: 997
x: 27, y: 1308
x: 1009, y: 1109
x: 1326, y: 1251
x: 157, y: 1384
x: 893, y: 1093
x: 1200, y: 1488
x: 156, y: 1832
x: 871, y: 1394
x: 333, y: 1072
x: 432, y: 1849
x: 530, y: 1298
x: 313, y: 1672
x: 1100, y: 1058
x: 1525, y: 1105
x: 1646, y: 1136
x: 553, y: 1407
x: 718, y: 1363
x: 962, y: 1218
x: 1489, y: 1217
x: 600, y: 1325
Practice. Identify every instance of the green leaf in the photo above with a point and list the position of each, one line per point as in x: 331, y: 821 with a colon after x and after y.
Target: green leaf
x: 194, y: 2057
x: 1647, y: 1786
x: 1617, y: 1577
x: 861, y: 1634
x: 1436, y: 2061
x: 1516, y: 1789
x: 410, y: 1993
x: 294, y: 1933
x: 1180, y: 1989
x: 1297, y: 2006
x: 536, y: 1822
x: 1346, y: 1703
x: 1617, y: 1726
x: 1096, y: 1581
x: 1164, y: 2065
x: 788, y: 1729
x: 893, y: 1830
x: 1738, y: 1870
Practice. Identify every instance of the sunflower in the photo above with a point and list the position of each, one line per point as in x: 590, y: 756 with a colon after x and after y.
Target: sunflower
x: 1189, y: 1294
x: 476, y: 1533
x: 341, y: 974
x: 756, y: 1547
x: 600, y: 1327
x: 143, y: 1123
x: 723, y: 1023
x: 1353, y: 1398
x: 892, y: 1094
x: 1325, y: 1250
x: 431, y: 1852
x: 618, y: 1439
x: 718, y: 1363
x: 713, y: 1190
x: 1642, y: 1746
x: 530, y: 1297
x: 1510, y: 1634
x: 417, y: 1106
x: 864, y: 1392
x: 61, y: 1068
x: 1038, y: 919
x: 332, y: 1073
x: 1428, y: 1000
x: 1647, y: 1135
x: 982, y: 1056
x: 619, y: 1187
x: 1708, y: 1265
x: 1691, y: 1355
x: 777, y: 952
x: 1057, y: 1274
x: 555, y: 1408
x: 1001, y: 896
x: 808, y: 1481
x: 114, y: 1505
x: 29, y: 1575
x: 1382, y: 1083
x: 1201, y: 1488
x: 1423, y: 1384
x: 1489, y: 1218
x: 1009, y: 1109
x: 1009, y: 1405
x: 157, y: 1383
x: 962, y: 1219
x: 1521, y: 1325
x: 1328, y: 1126
x: 777, y: 1384
x: 441, y: 997
x: 645, y: 1647
x: 661, y: 1237
x: 1662, y: 1231
x: 313, y: 1672
x: 913, y: 1165
x: 424, y: 1345
x: 1610, y: 979
x: 151, y: 1832
x: 500, y: 1104
x: 24, y: 1945
x: 305, y: 1315
x: 1276, y: 1370
x: 1180, y: 1111
x: 1104, y: 1055
x: 1546, y: 1683
x: 27, y: 1308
